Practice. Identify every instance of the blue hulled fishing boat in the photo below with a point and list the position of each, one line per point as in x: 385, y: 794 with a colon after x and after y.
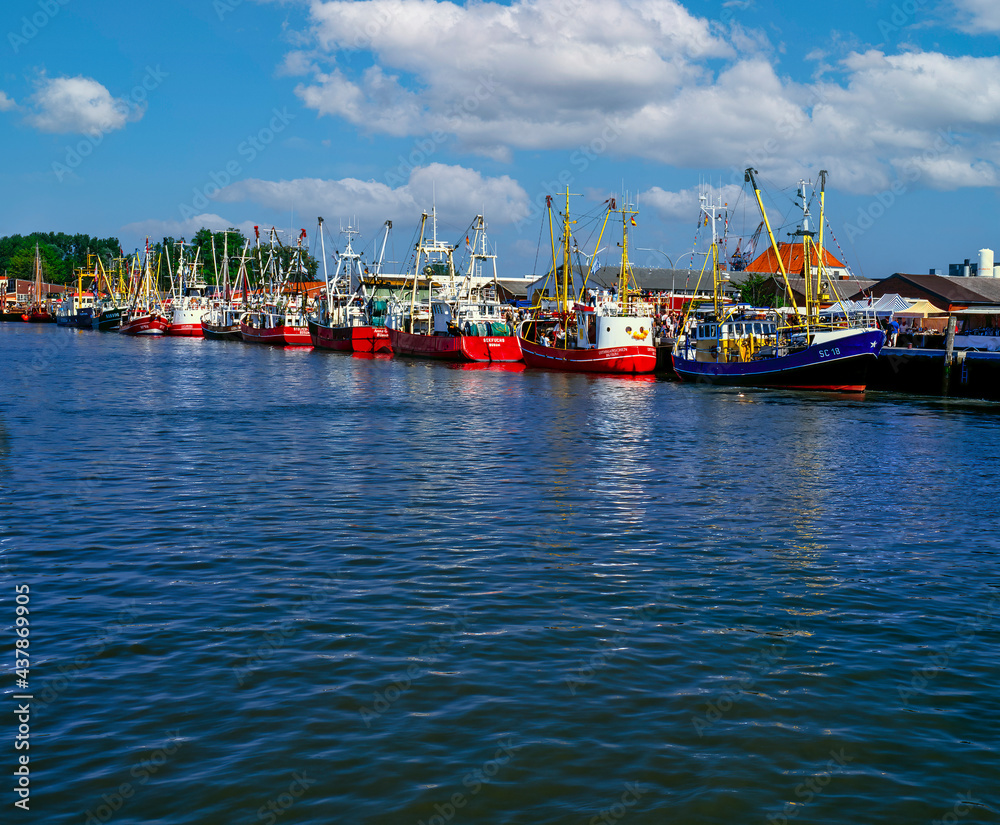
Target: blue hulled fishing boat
x: 745, y: 346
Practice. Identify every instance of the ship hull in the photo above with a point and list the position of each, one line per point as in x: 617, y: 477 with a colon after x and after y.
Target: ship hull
x: 82, y: 320
x: 107, y: 321
x: 465, y: 348
x: 283, y: 336
x: 350, y: 339
x: 840, y: 366
x: 38, y: 317
x: 185, y: 330
x: 221, y: 333
x: 144, y: 325
x: 625, y: 360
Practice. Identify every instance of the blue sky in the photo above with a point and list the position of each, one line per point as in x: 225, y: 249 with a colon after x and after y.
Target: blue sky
x: 133, y: 119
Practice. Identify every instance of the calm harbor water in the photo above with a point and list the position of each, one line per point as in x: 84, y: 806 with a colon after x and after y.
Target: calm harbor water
x: 288, y: 586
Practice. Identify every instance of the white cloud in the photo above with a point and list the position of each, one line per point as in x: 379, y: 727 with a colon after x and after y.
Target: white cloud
x: 684, y: 205
x: 458, y: 193
x: 978, y: 16
x: 533, y: 73
x: 79, y: 105
x: 6, y: 103
x: 626, y: 78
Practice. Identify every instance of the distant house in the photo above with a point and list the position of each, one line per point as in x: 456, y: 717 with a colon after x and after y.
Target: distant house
x: 948, y: 294
x: 21, y: 291
x: 831, y: 292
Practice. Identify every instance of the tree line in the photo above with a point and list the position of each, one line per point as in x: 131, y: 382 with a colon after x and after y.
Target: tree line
x: 62, y: 255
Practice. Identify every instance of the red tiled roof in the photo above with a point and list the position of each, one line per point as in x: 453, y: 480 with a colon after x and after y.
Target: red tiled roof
x: 791, y: 256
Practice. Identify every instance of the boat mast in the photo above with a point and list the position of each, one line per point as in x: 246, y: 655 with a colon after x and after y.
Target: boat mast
x: 749, y: 177
x: 480, y: 253
x: 625, y: 273
x: 38, y: 276
x: 710, y: 213
x: 821, y: 255
x: 326, y: 272
x: 416, y: 272
x: 806, y: 234
x: 381, y: 254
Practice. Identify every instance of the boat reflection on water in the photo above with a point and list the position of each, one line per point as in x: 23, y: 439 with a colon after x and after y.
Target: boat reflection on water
x: 494, y: 366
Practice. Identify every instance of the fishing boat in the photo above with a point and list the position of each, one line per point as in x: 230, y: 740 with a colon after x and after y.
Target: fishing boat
x: 187, y: 299
x: 462, y: 320
x: 345, y: 320
x: 614, y: 334
x: 145, y: 314
x: 77, y: 309
x: 746, y: 346
x: 222, y: 320
x: 111, y: 306
x: 277, y: 314
x: 38, y: 311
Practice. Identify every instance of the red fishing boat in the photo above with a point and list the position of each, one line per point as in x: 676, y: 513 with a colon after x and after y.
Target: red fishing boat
x: 145, y: 314
x: 188, y: 301
x: 344, y: 321
x: 279, y: 314
x: 613, y: 336
x: 462, y: 320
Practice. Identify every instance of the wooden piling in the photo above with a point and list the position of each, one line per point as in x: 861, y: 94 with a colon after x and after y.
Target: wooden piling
x: 949, y: 354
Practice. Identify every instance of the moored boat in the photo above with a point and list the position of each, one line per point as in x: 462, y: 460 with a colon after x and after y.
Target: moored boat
x: 188, y: 300
x: 222, y: 320
x: 110, y: 307
x: 145, y: 314
x: 614, y: 335
x: 461, y: 321
x: 741, y: 346
x: 344, y: 319
x: 277, y: 314
x: 39, y: 310
x: 77, y: 309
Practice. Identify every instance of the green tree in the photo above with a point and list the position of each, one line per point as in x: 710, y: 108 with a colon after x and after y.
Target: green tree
x: 755, y: 290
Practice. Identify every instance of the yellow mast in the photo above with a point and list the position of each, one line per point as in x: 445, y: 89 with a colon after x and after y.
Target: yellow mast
x: 625, y: 273
x: 564, y: 297
x: 774, y: 244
